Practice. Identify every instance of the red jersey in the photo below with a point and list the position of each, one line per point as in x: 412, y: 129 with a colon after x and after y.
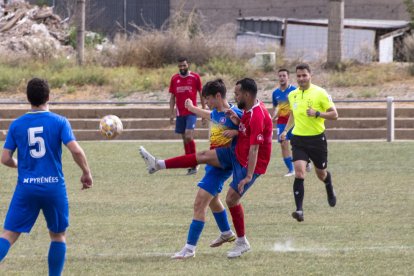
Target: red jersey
x: 183, y: 88
x: 255, y: 128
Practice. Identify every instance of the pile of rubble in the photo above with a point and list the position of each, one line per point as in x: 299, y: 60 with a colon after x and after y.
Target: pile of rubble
x: 34, y: 30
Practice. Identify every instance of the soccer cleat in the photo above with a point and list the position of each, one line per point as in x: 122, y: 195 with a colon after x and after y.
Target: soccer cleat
x: 309, y: 167
x: 194, y: 170
x: 150, y: 160
x: 222, y: 239
x: 239, y: 248
x: 331, y: 195
x: 292, y: 173
x: 298, y: 215
x: 185, y: 253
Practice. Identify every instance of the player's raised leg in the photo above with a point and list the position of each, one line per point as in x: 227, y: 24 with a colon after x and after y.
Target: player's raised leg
x: 184, y: 161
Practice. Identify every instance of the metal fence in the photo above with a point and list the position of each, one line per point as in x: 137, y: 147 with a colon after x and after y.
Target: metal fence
x: 111, y: 16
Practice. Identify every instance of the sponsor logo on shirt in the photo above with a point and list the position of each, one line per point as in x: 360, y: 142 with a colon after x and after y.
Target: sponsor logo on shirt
x: 242, y: 128
x: 185, y: 88
x: 41, y: 179
x: 222, y: 120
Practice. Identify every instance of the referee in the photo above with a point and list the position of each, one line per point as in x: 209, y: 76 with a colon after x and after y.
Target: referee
x: 310, y: 106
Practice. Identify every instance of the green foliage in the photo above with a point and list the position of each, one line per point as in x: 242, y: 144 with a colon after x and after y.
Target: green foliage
x: 91, y: 39
x: 410, y: 9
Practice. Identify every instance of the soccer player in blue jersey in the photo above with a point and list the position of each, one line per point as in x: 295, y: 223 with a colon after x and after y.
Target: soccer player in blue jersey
x: 280, y: 115
x: 222, y: 131
x: 38, y: 136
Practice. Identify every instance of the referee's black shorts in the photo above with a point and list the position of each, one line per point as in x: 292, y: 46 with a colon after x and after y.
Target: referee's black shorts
x: 314, y: 148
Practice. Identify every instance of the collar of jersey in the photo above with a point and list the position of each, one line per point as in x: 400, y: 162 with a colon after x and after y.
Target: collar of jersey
x: 310, y: 87
x: 36, y: 112
x: 283, y: 91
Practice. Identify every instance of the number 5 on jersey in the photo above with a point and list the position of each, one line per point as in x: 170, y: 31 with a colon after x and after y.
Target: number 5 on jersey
x: 40, y: 151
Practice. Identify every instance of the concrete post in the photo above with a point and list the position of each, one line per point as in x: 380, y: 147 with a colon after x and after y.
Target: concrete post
x: 335, y: 32
x: 80, y: 35
x: 390, y: 119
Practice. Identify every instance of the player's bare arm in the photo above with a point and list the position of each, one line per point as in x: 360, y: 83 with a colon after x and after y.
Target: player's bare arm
x: 329, y: 114
x: 290, y: 123
x: 203, y: 113
x: 275, y: 112
x: 8, y: 160
x: 233, y: 116
x: 80, y: 158
x: 251, y: 165
x: 230, y: 133
x: 172, y: 106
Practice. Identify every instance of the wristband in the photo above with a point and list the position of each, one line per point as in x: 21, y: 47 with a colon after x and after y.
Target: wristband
x: 317, y: 114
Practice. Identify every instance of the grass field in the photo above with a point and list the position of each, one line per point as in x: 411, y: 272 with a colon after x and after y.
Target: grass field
x: 131, y: 222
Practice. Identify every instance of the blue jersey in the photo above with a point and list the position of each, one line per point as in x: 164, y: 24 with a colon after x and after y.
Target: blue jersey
x: 38, y: 136
x: 280, y: 99
x: 219, y: 123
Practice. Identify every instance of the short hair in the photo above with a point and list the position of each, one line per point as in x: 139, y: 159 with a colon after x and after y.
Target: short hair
x: 248, y: 85
x: 213, y: 87
x: 182, y: 59
x: 303, y: 66
x: 37, y: 91
x: 284, y: 70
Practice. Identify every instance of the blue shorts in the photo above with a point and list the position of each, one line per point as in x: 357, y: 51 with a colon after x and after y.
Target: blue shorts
x: 280, y: 128
x: 214, y: 179
x: 228, y: 160
x: 27, y: 202
x: 185, y: 122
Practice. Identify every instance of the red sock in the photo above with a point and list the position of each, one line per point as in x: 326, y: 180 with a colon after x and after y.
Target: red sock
x: 187, y: 149
x: 183, y: 161
x: 191, y: 146
x: 237, y: 215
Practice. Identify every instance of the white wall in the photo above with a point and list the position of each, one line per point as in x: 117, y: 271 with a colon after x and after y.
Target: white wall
x: 386, y: 49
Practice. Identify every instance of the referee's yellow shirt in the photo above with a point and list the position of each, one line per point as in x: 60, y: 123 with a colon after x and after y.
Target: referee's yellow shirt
x: 314, y: 97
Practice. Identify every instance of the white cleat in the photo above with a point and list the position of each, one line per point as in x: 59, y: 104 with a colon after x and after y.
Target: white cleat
x: 290, y: 174
x: 223, y: 239
x: 238, y: 249
x: 150, y: 160
x: 309, y: 167
x: 185, y: 253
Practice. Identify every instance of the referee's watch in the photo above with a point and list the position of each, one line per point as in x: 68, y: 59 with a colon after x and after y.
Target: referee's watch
x: 317, y: 114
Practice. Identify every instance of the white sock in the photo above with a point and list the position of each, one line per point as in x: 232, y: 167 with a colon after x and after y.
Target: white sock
x: 227, y: 233
x: 190, y: 247
x: 161, y: 164
x: 242, y: 239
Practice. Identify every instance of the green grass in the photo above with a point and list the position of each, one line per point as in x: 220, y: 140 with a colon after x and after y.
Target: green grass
x: 130, y: 222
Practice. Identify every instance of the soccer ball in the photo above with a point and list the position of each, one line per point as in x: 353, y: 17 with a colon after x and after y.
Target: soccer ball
x: 110, y: 126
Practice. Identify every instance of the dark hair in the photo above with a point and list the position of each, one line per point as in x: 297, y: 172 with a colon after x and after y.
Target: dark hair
x: 37, y: 91
x: 284, y: 70
x: 213, y: 87
x: 248, y: 85
x: 303, y: 66
x: 182, y: 59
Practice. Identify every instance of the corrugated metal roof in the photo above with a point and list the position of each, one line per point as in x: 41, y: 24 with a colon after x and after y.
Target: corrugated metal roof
x: 356, y: 23
x: 262, y: 18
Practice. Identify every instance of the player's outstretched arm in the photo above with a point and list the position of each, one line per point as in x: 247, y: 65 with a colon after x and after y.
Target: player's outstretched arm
x: 7, y: 159
x: 205, y: 114
x: 80, y: 158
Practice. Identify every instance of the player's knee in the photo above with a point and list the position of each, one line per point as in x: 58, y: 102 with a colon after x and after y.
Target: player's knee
x: 321, y: 174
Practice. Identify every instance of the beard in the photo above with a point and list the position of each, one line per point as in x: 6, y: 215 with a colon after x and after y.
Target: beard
x: 241, y: 105
x: 183, y: 72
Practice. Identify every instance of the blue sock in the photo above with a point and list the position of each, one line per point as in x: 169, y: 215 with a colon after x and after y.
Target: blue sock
x: 222, y: 221
x: 196, y: 227
x: 4, y: 248
x: 288, y: 163
x: 56, y: 258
